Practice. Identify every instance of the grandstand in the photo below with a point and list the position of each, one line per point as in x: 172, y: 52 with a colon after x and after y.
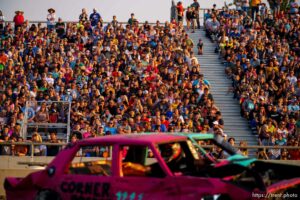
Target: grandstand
x: 65, y: 81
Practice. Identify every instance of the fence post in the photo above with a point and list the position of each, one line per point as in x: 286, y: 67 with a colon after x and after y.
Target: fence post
x: 68, y: 123
x: 32, y: 151
x: 25, y: 121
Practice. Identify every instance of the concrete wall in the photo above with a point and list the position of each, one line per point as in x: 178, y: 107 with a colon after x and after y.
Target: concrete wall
x: 11, y: 162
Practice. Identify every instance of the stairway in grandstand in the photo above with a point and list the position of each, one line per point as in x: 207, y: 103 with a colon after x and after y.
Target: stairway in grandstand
x: 213, y: 70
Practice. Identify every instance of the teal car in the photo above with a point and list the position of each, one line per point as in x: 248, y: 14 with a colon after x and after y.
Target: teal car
x: 237, y: 169
x: 240, y: 169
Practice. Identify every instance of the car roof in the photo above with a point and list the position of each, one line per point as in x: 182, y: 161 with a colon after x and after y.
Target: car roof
x: 200, y: 136
x: 197, y: 136
x: 138, y: 139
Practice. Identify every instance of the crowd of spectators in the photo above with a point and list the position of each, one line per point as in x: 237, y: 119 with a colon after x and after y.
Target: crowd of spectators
x: 123, y: 78
x: 120, y: 78
x: 261, y: 55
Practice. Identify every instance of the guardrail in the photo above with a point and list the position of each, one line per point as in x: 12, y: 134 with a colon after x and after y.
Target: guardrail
x: 32, y: 144
x: 63, y: 110
x: 76, y: 22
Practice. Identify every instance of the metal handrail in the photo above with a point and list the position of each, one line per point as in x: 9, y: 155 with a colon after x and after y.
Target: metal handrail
x: 106, y: 22
x: 46, y: 124
x: 61, y: 145
x: 26, y: 124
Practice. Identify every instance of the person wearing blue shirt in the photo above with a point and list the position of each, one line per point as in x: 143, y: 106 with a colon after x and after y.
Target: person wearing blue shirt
x: 207, y: 15
x: 67, y: 97
x: 255, y: 61
x: 110, y: 129
x: 30, y: 113
x: 294, y: 106
x: 235, y: 33
x: 95, y: 17
x: 158, y: 126
x: 35, y: 50
x: 169, y: 113
x: 206, y: 82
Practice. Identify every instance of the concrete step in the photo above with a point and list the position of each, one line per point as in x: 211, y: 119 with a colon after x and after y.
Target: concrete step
x: 231, y: 123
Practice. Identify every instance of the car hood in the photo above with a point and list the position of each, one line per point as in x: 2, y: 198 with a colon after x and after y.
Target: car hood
x: 35, y: 178
x: 254, y: 174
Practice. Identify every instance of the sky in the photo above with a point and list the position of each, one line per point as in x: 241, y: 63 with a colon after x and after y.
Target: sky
x: 69, y: 10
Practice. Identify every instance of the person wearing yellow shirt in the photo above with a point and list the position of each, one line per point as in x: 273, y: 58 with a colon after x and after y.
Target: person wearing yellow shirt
x: 272, y: 67
x: 254, y: 7
x: 175, y: 104
x: 229, y: 44
x: 80, y: 26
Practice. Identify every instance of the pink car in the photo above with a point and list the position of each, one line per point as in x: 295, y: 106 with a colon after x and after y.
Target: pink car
x: 135, y: 167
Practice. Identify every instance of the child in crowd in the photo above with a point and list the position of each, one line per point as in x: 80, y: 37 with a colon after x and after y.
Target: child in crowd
x: 200, y: 47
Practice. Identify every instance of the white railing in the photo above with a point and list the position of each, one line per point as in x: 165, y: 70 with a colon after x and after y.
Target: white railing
x: 63, y: 124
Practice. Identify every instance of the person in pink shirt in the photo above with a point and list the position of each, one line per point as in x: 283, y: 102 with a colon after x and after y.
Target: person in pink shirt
x: 87, y: 133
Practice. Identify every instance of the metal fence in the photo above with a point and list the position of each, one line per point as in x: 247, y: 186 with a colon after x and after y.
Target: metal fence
x: 59, y: 118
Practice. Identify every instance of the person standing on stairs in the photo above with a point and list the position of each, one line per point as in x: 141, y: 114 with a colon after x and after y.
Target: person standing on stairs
x: 193, y: 19
x: 196, y: 7
x: 180, y: 12
x: 188, y: 15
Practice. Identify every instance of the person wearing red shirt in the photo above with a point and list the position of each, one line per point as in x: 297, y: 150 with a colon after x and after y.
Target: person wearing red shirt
x: 151, y: 77
x: 3, y: 57
x: 165, y: 121
x: 180, y: 11
x: 18, y: 19
x: 152, y: 67
x: 295, y: 153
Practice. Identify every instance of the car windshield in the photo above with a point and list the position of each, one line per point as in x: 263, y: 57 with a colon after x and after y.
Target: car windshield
x: 218, y: 149
x: 179, y: 156
x: 91, y: 160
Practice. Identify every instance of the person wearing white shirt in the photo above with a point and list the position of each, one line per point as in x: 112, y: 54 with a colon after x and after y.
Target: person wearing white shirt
x: 292, y: 78
x: 49, y: 79
x: 51, y: 19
